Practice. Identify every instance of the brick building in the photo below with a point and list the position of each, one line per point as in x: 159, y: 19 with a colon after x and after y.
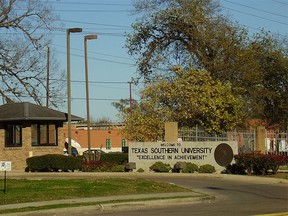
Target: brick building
x: 28, y: 130
x: 105, y: 136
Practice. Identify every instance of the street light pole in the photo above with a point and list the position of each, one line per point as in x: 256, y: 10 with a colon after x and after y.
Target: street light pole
x: 87, y: 37
x: 70, y: 30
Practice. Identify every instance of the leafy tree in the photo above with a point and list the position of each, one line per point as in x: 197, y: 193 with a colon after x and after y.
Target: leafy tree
x: 195, y: 34
x: 271, y: 93
x: 192, y: 98
x: 24, y: 28
x: 144, y: 123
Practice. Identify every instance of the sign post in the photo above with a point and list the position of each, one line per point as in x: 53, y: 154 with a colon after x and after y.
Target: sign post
x: 5, y: 166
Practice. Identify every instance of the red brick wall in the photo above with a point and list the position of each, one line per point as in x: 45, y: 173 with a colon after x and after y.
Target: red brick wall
x: 97, y: 137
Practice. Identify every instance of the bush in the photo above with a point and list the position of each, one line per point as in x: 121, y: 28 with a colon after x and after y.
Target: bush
x: 119, y: 158
x: 53, y: 162
x: 160, y: 167
x: 206, y: 168
x: 235, y: 169
x: 140, y: 170
x: 118, y: 168
x: 260, y: 164
x: 190, y: 168
x: 97, y: 166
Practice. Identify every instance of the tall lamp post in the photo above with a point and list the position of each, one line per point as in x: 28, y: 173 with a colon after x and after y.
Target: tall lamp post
x: 70, y: 30
x: 87, y: 37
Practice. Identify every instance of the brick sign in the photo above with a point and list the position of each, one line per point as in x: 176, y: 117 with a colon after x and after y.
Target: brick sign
x: 218, y: 153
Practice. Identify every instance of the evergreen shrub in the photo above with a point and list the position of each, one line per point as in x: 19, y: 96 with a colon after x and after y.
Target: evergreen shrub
x: 117, y: 157
x: 190, y: 168
x: 206, y: 168
x: 53, y: 162
x: 160, y: 167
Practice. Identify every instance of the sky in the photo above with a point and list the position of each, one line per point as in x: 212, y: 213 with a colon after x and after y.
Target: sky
x: 110, y: 67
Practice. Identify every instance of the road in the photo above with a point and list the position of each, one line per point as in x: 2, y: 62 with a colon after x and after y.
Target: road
x: 233, y: 197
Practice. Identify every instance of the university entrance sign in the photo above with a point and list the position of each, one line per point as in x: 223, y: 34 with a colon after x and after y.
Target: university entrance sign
x: 217, y: 153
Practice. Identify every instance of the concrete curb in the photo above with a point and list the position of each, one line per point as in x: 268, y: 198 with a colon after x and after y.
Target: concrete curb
x: 123, y: 203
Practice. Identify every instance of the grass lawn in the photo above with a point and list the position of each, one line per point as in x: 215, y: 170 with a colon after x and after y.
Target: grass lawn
x: 25, y: 190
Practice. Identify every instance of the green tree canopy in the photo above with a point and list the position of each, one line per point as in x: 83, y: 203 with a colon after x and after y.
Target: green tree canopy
x: 192, y: 98
x: 196, y: 34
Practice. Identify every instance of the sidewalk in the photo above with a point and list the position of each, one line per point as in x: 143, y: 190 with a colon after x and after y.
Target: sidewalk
x: 102, y: 203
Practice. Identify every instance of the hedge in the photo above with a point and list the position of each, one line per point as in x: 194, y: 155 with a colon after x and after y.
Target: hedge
x: 119, y: 158
x: 53, y: 162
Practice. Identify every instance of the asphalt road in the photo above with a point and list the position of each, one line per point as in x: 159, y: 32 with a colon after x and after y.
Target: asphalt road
x: 233, y: 197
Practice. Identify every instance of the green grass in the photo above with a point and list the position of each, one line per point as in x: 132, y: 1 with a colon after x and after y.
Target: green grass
x: 25, y: 190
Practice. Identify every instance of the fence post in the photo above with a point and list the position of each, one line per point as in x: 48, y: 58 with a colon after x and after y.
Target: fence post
x: 260, y: 139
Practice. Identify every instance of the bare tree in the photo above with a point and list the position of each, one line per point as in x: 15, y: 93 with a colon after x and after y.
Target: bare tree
x: 25, y: 27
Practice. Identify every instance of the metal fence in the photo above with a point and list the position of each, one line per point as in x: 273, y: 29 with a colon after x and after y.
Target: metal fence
x: 276, y: 142
x: 246, y: 139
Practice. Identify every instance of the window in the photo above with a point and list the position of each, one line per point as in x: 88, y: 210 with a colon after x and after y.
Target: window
x: 44, y: 135
x: 13, y: 135
x: 123, y: 142
x: 108, y: 144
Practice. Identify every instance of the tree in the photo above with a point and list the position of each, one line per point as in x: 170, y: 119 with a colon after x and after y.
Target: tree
x: 24, y: 28
x: 142, y: 124
x: 270, y: 95
x: 192, y: 98
x: 195, y: 34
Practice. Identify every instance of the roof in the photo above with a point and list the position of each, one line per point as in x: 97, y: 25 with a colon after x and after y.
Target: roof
x: 26, y: 111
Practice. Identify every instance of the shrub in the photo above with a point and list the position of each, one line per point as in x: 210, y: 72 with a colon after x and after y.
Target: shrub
x: 260, y: 164
x: 206, y: 168
x: 118, y: 157
x: 118, y: 168
x: 140, y: 170
x: 245, y: 160
x: 160, y: 167
x: 97, y: 166
x: 235, y: 169
x: 53, y: 162
x: 190, y: 168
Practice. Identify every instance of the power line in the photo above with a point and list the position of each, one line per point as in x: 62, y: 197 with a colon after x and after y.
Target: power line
x: 91, y: 11
x: 269, y: 12
x: 86, y: 3
x: 255, y: 15
x: 92, y: 23
x: 280, y: 2
x: 121, y: 57
x: 99, y: 59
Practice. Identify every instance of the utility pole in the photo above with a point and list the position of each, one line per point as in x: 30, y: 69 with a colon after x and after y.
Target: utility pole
x: 130, y: 89
x: 48, y: 78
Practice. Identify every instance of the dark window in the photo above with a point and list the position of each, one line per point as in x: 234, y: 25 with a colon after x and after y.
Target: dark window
x: 13, y: 135
x: 108, y: 144
x: 44, y: 135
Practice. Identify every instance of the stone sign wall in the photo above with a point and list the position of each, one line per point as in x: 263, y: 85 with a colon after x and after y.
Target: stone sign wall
x: 219, y: 154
